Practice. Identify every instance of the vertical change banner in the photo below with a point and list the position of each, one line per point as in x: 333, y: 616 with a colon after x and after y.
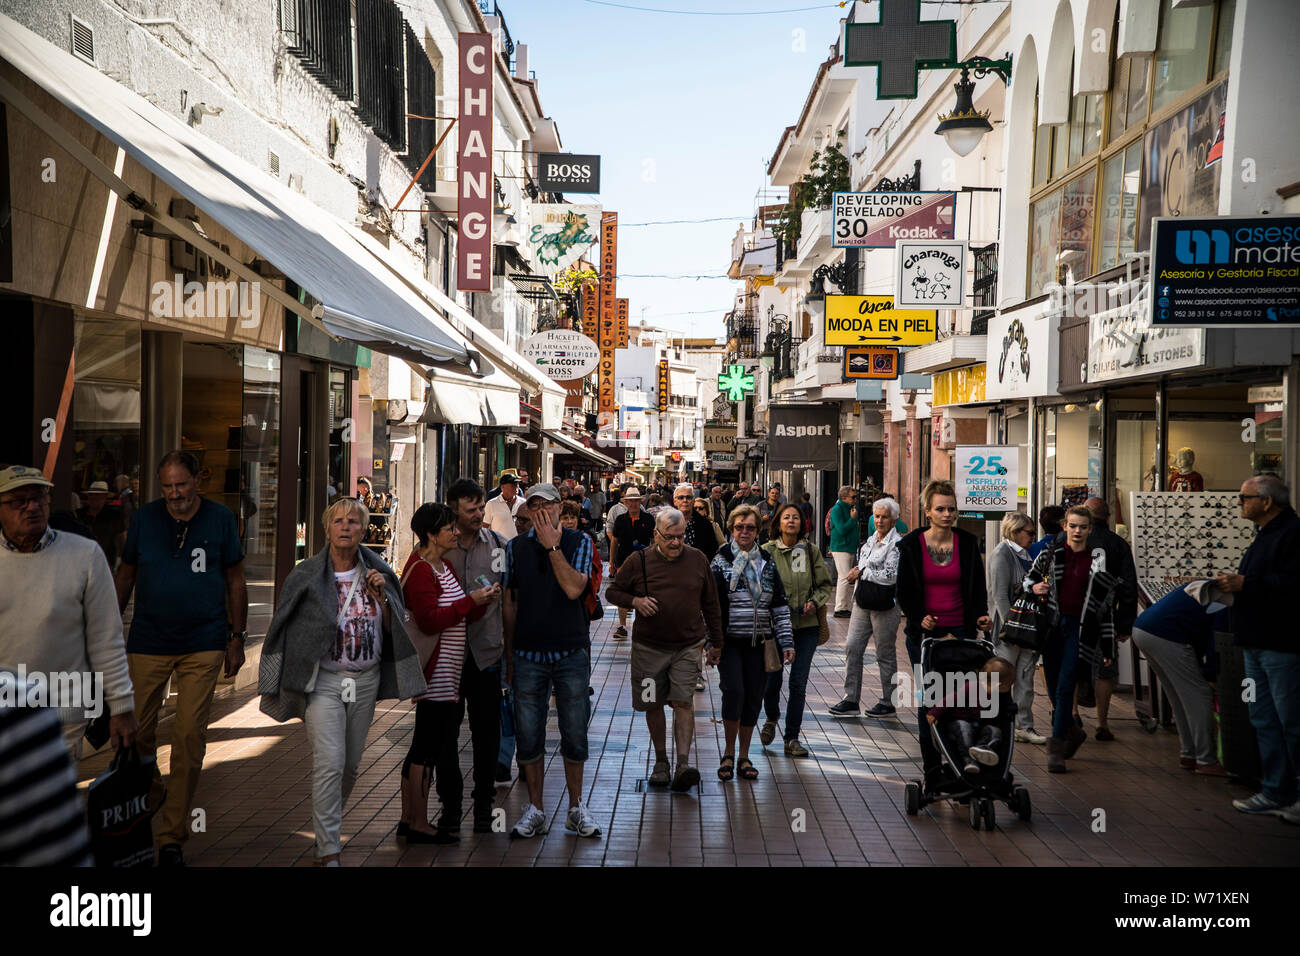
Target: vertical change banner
x: 474, y: 165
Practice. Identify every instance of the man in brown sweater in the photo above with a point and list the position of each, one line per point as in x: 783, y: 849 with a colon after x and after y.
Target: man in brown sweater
x: 672, y: 590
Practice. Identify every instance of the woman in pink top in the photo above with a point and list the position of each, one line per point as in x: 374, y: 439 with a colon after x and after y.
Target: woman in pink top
x: 439, y: 606
x: 940, y: 589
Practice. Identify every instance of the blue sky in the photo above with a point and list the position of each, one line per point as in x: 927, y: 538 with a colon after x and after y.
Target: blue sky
x: 685, y: 111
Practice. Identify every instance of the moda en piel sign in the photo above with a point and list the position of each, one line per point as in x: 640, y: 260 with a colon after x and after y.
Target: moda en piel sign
x: 568, y: 173
x: 1225, y: 272
x: 873, y: 320
x: 879, y: 220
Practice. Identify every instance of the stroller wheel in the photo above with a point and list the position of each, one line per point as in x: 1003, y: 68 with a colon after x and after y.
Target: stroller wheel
x: 912, y: 798
x: 988, y: 813
x: 974, y: 814
x: 1022, y: 808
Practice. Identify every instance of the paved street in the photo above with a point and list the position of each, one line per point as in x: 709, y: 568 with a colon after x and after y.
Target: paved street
x: 255, y: 792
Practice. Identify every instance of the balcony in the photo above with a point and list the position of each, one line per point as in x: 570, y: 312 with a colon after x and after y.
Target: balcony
x: 814, y: 244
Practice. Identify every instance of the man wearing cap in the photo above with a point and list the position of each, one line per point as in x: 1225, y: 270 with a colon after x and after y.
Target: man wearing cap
x: 58, y: 612
x: 191, y: 609
x: 633, y: 531
x: 499, y: 512
x: 546, y: 576
x: 104, y: 520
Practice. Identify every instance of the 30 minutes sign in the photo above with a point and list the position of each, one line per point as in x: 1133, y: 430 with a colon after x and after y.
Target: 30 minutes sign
x: 988, y: 477
x: 880, y: 220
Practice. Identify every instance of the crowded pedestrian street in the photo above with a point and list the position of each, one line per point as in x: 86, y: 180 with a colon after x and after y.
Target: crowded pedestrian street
x: 843, y: 806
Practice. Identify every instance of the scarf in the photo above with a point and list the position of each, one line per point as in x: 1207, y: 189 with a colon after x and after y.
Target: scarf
x: 744, y: 566
x: 1097, y: 625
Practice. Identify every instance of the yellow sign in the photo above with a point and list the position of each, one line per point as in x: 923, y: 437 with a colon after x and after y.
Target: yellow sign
x: 873, y: 320
x: 959, y: 386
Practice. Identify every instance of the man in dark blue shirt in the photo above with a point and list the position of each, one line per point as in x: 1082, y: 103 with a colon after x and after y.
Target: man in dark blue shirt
x: 184, y: 560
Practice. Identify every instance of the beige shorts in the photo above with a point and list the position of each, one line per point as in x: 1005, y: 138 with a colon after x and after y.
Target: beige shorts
x: 661, y: 676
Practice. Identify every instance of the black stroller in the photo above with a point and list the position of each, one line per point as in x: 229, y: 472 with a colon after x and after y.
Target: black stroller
x: 978, y: 790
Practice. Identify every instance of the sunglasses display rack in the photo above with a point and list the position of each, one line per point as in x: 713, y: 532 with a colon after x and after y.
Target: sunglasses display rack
x: 1181, y: 536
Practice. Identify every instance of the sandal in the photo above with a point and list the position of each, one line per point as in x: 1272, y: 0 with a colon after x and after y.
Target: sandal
x: 746, y: 769
x: 725, y: 770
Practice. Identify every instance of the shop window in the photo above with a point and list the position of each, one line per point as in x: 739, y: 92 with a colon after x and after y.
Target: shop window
x: 1223, y: 38
x: 1117, y: 229
x: 1060, y: 149
x: 1223, y: 436
x: 105, y: 421
x: 1086, y: 111
x: 259, y: 468
x: 1061, y: 235
x: 1134, y: 442
x: 212, y: 385
x: 1182, y: 52
x: 1130, y: 82
x: 1071, y: 442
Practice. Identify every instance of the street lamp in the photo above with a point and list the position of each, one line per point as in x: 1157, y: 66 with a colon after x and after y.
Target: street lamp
x: 965, y: 126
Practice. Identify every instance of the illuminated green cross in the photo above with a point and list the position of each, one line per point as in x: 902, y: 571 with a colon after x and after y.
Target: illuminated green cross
x: 736, y: 383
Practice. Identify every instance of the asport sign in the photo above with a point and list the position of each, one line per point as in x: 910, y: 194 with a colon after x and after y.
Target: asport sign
x: 1225, y: 272
x: 988, y: 477
x: 879, y: 220
x: 562, y: 354
x: 873, y: 320
x: 474, y: 184
x: 568, y: 173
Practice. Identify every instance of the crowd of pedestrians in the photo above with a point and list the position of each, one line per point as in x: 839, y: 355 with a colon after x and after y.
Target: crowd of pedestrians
x: 491, y: 617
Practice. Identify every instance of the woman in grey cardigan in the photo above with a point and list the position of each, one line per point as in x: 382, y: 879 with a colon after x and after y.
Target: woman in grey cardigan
x: 337, y: 643
x: 1008, y: 565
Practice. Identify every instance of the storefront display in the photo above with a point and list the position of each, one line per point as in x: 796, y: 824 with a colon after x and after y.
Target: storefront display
x: 1183, y: 536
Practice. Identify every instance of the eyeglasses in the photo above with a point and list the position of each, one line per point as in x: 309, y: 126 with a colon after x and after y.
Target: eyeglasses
x: 702, y: 510
x: 21, y: 504
x: 745, y: 527
x: 672, y: 537
x: 1242, y: 498
x: 182, y: 532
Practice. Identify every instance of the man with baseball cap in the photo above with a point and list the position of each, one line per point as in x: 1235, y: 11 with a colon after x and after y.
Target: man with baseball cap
x: 546, y: 576
x: 59, y: 614
x: 499, y: 512
x: 104, y: 520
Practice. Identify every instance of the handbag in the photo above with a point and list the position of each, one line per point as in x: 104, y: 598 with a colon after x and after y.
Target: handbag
x: 823, y: 626
x: 426, y: 645
x: 771, y: 656
x: 871, y: 596
x: 1026, y: 624
x: 119, y: 812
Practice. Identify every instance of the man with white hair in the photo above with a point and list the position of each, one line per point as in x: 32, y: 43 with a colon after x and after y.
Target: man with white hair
x: 1263, y: 618
x: 676, y: 602
x: 699, y: 529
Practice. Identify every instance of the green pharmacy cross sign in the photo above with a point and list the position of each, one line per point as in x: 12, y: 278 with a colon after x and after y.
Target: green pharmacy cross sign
x: 901, y: 44
x: 735, y: 382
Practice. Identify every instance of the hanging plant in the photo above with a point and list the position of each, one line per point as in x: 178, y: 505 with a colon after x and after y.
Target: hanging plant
x: 828, y: 173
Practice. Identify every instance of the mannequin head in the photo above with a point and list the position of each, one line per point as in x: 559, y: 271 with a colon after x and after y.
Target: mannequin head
x: 1184, y: 460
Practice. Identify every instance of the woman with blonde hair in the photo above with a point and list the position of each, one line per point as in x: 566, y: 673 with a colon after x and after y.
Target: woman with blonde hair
x: 336, y: 645
x: 1008, y: 565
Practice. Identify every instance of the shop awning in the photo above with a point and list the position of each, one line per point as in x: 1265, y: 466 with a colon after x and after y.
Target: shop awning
x: 578, y: 448
x: 356, y: 298
x: 463, y: 400
x: 955, y: 351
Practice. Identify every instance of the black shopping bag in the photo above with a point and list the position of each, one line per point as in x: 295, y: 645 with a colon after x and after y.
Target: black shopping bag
x: 118, y: 811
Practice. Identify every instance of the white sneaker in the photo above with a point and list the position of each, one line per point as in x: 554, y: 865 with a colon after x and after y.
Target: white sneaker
x: 581, y: 822
x: 1030, y: 737
x: 1260, y: 805
x: 1291, y: 814
x: 531, y: 824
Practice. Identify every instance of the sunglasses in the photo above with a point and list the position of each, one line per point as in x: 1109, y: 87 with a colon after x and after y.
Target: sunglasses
x: 1242, y: 498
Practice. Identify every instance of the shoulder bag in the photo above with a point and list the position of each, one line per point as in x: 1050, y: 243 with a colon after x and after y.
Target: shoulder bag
x: 426, y: 645
x: 871, y: 596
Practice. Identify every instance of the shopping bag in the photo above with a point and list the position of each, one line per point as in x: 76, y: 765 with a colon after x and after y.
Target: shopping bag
x: 119, y: 812
x: 1026, y: 624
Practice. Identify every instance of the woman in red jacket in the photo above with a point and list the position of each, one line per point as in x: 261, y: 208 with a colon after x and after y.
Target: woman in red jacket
x: 438, y: 607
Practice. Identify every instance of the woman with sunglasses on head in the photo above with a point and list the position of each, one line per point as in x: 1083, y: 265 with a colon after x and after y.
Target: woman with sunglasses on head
x: 940, y: 590
x: 754, y: 610
x: 701, y: 507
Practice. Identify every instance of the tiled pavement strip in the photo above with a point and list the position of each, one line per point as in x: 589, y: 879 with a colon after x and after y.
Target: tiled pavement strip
x: 256, y: 794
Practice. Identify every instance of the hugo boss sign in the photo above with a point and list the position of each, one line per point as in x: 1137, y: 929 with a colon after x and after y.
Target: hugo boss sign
x: 568, y: 173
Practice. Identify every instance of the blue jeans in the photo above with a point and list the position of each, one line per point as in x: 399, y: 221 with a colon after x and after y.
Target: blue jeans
x: 1275, y: 715
x: 506, y: 752
x: 1061, y: 668
x: 805, y: 643
x: 570, y: 676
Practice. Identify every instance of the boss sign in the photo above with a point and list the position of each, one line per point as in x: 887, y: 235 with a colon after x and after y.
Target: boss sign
x: 474, y: 165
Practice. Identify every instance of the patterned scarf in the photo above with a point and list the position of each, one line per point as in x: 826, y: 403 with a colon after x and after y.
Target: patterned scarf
x: 744, y: 566
x: 1097, y: 625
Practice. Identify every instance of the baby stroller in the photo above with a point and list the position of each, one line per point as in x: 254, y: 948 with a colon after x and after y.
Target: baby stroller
x: 977, y: 790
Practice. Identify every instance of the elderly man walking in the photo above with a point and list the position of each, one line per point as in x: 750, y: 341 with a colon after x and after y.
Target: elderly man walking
x: 1263, y: 617
x: 183, y: 550
x: 499, y: 512
x: 58, y: 612
x: 676, y: 602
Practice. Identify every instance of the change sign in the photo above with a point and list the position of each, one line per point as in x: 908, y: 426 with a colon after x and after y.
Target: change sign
x: 873, y: 320
x: 879, y: 220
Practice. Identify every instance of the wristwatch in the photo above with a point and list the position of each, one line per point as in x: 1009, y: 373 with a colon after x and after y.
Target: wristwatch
x: 242, y: 635
x: 554, y: 548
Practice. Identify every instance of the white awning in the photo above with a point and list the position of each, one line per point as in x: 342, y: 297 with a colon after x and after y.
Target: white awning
x: 578, y: 448
x: 463, y: 400
x: 357, y: 298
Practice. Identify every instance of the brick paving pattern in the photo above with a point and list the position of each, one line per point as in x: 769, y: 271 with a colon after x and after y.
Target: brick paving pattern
x: 256, y: 794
